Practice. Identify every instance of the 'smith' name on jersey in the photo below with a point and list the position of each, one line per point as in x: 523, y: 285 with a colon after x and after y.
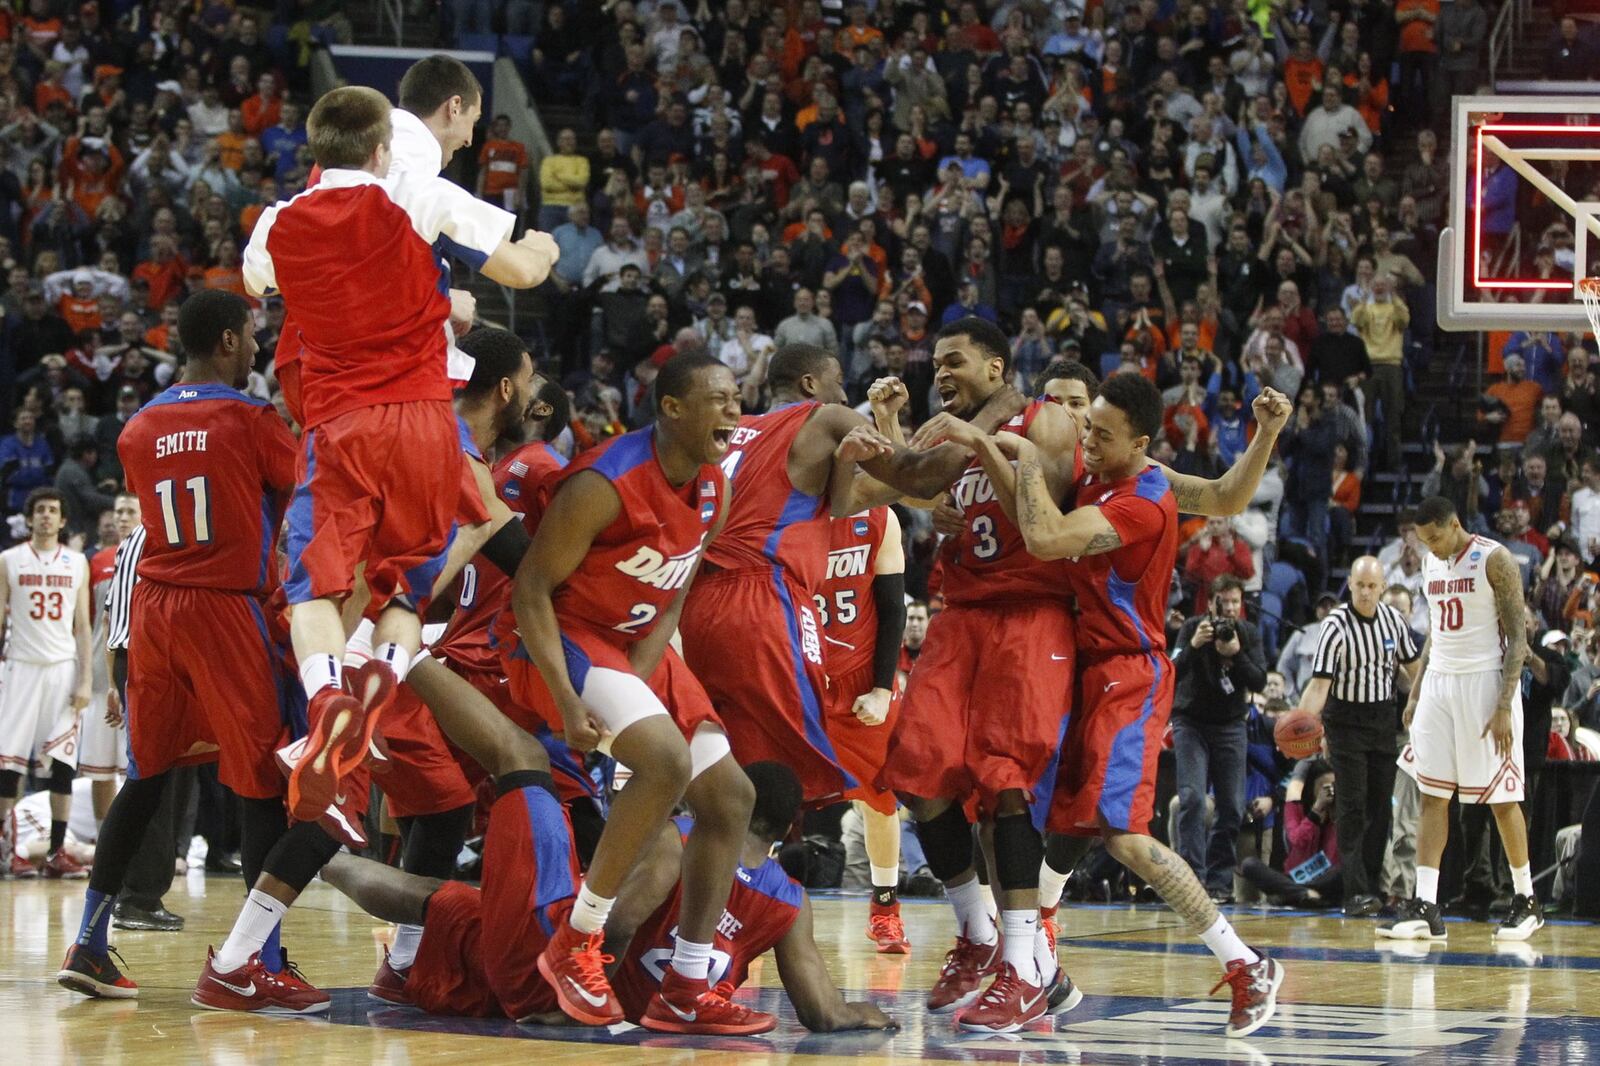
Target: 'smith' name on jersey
x: 47, y: 581
x: 187, y: 440
x: 1453, y: 587
x: 659, y: 571
x: 848, y: 562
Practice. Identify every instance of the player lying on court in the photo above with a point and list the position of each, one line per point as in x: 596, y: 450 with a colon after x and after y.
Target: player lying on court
x: 372, y: 372
x: 477, y: 944
x: 986, y: 703
x: 1465, y: 715
x: 1120, y: 537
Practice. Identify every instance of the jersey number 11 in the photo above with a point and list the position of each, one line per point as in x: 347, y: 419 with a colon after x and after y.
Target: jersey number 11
x: 171, y: 503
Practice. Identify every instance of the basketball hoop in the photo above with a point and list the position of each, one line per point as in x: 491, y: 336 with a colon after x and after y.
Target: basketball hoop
x: 1589, y: 292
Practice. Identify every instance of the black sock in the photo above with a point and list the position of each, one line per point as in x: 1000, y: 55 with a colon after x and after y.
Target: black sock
x: 885, y: 897
x: 58, y: 835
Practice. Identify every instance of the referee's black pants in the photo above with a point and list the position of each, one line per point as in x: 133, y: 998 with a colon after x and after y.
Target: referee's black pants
x: 1361, y: 748
x: 150, y: 872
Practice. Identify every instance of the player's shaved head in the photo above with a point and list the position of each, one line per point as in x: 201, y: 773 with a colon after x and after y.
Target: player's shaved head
x: 677, y: 375
x: 432, y: 82
x: 347, y: 127
x: 793, y: 362
x: 205, y: 317
x: 778, y: 799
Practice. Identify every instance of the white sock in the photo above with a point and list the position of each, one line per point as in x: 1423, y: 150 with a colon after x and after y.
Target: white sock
x: 403, y: 952
x: 885, y: 876
x: 589, y: 911
x: 1225, y: 944
x: 1522, y: 880
x: 1428, y: 884
x: 972, y: 912
x: 398, y: 659
x: 1021, y: 927
x: 1042, y: 955
x: 358, y: 649
x: 318, y: 672
x: 260, y: 916
x: 1051, y: 885
x: 691, y: 960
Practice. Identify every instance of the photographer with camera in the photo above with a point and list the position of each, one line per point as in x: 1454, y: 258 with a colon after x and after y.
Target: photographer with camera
x: 1219, y: 662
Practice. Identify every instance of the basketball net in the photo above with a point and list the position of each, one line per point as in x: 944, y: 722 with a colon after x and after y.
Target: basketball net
x: 1589, y: 292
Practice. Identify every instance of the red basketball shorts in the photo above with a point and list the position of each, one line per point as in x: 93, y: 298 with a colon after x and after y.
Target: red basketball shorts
x: 602, y: 676
x: 984, y: 704
x: 1108, y: 762
x: 209, y: 681
x: 288, y: 375
x: 379, y: 485
x: 480, y: 947
x: 752, y: 638
x: 861, y: 748
x: 424, y: 776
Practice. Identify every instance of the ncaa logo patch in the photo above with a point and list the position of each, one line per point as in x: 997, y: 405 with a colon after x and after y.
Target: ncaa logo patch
x: 1475, y: 556
x: 708, y: 511
x: 859, y: 528
x: 512, y: 491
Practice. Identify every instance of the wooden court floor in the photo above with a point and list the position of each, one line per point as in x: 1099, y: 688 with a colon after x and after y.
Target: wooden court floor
x: 1346, y: 1001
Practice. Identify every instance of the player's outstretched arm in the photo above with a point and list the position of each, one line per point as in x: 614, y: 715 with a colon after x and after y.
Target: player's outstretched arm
x: 1047, y: 532
x: 523, y: 264
x: 1505, y: 578
x: 646, y: 655
x: 817, y: 1001
x: 887, y: 396
x: 1232, y: 492
x: 83, y: 636
x: 582, y: 507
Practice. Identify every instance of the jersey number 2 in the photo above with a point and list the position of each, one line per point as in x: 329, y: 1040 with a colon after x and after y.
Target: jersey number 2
x: 1452, y: 616
x: 200, y: 493
x: 640, y: 615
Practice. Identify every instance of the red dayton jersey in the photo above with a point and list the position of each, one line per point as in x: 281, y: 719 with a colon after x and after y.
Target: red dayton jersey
x: 638, y: 564
x: 1122, y: 594
x: 366, y: 289
x: 849, y: 613
x: 989, y: 562
x: 213, y: 470
x: 521, y: 480
x: 771, y: 521
x: 102, y: 564
x: 761, y: 909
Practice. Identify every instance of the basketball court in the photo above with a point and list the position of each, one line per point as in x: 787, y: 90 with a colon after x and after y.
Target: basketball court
x: 1348, y: 999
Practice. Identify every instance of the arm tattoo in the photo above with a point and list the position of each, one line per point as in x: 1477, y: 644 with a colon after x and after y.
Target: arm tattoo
x: 1031, y: 496
x: 1103, y: 542
x: 1506, y: 579
x: 1187, y: 495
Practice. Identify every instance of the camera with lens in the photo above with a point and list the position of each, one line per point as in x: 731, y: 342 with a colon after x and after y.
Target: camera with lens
x: 1224, y: 630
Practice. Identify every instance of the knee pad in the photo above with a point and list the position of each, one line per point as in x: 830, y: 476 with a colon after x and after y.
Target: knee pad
x: 434, y: 841
x: 10, y: 784
x: 61, y: 775
x: 1018, y: 850
x: 300, y: 854
x: 947, y: 843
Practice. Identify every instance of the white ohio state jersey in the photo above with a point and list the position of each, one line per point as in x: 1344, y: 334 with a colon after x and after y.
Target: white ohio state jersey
x: 44, y: 593
x: 1465, y: 627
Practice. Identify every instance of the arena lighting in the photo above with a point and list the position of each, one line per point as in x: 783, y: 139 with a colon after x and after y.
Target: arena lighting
x: 1574, y: 154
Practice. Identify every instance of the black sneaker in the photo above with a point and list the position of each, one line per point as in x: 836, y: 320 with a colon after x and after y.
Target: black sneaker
x: 1525, y: 917
x: 158, y: 920
x: 95, y: 975
x: 1365, y: 906
x: 1414, y: 920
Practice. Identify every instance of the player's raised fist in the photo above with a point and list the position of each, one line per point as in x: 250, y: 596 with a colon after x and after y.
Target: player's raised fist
x: 581, y: 729
x: 863, y: 444
x: 888, y: 395
x: 1272, y: 409
x: 463, y: 311
x: 872, y: 708
x: 944, y: 427
x: 542, y: 243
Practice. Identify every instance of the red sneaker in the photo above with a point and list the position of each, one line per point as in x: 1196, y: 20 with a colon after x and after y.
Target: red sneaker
x: 1007, y: 1005
x: 1255, y: 993
x: 255, y: 989
x: 342, y: 823
x: 337, y: 742
x: 684, y: 1006
x: 21, y: 868
x: 60, y: 865
x: 885, y: 928
x: 94, y: 975
x: 389, y: 984
x: 965, y: 967
x: 576, y: 969
x: 1052, y: 929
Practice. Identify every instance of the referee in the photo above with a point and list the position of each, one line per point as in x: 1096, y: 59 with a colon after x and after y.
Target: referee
x: 1361, y: 645
x: 150, y: 874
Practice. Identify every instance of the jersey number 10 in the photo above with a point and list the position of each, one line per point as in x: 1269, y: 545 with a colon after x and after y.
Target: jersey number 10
x: 199, y: 492
x: 1452, y: 616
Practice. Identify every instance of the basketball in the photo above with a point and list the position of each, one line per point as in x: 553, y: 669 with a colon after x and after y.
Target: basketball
x: 1298, y: 734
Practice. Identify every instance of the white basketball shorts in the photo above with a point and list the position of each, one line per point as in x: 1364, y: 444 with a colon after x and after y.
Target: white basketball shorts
x: 1449, y: 752
x: 37, y: 722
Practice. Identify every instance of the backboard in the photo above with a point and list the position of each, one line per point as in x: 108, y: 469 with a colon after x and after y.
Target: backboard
x: 1524, y: 212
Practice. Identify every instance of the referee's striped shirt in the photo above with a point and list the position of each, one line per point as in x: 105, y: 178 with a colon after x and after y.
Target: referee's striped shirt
x: 119, y: 597
x: 1360, y: 655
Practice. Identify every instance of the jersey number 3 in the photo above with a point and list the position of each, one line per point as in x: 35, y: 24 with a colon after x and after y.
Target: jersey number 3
x: 199, y: 492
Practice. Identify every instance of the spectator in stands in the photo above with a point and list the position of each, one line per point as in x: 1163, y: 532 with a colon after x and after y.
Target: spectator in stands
x: 1571, y: 58
x: 1566, y: 464
x: 805, y: 326
x: 1215, y: 552
x: 75, y: 481
x: 503, y: 168
x: 1382, y: 320
x: 1307, y: 446
x: 1580, y: 392
x: 1219, y: 662
x: 1323, y: 125
x: 1545, y: 437
x: 1457, y: 476
x: 1584, y: 524
x: 26, y: 458
x: 604, y: 269
x: 563, y: 179
x: 1299, y: 652
x: 1558, y: 580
